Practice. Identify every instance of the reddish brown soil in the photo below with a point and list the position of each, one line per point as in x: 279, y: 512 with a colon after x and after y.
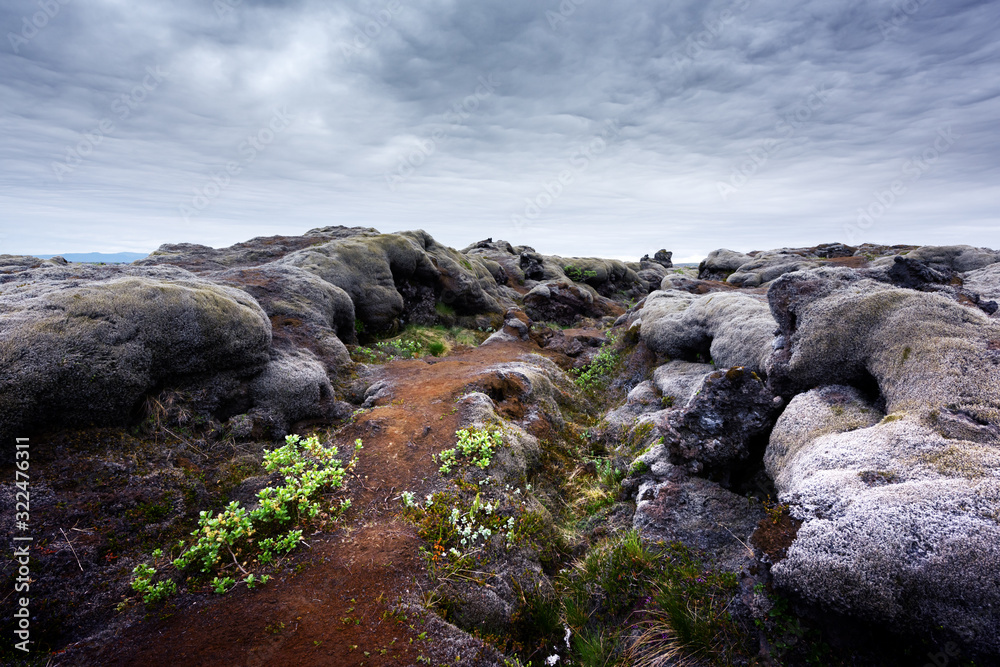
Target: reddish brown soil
x: 336, y: 611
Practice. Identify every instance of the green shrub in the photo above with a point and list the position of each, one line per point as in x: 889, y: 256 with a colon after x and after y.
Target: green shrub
x: 475, y: 444
x: 235, y: 535
x: 150, y: 592
x: 387, y: 350
x: 596, y: 375
x: 576, y: 274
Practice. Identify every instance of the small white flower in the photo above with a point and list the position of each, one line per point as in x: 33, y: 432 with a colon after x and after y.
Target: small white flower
x: 552, y: 659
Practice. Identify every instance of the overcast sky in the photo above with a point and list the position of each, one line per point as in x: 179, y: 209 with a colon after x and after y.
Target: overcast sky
x: 586, y: 128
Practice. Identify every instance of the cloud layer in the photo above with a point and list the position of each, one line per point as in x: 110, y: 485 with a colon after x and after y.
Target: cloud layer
x: 577, y: 127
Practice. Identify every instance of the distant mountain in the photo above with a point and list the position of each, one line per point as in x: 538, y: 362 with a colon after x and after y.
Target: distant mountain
x: 99, y: 257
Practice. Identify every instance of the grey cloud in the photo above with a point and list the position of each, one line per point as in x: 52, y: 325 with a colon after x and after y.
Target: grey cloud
x: 695, y: 90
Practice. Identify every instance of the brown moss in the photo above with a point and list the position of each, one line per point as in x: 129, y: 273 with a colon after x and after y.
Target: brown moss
x: 774, y: 534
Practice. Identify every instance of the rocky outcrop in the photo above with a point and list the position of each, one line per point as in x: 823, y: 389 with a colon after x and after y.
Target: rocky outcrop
x: 605, y: 278
x: 766, y: 267
x: 892, y: 461
x: 928, y: 355
x: 673, y: 506
x: 652, y: 270
x: 985, y: 282
x: 714, y: 433
x: 75, y: 352
x: 720, y: 264
x: 256, y: 331
x: 759, y: 268
x: 255, y: 252
x: 954, y: 258
x: 565, y: 302
x: 376, y: 271
x: 661, y: 258
x: 900, y: 524
x: 913, y: 273
x: 732, y: 329
x: 608, y: 277
x: 685, y: 283
x: 391, y: 279
x: 305, y: 311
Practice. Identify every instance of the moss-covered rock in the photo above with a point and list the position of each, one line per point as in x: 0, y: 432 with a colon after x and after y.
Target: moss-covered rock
x: 730, y: 328
x: 261, y: 250
x: 721, y: 263
x: 985, y: 282
x: 372, y: 269
x: 900, y: 511
x: 77, y: 353
x: 566, y: 303
x: 829, y: 409
x: 901, y: 525
x: 305, y: 311
x: 955, y: 258
x: 927, y: 353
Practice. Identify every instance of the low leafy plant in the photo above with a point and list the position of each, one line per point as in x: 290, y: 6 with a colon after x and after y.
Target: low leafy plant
x: 576, y: 274
x: 388, y: 350
x: 598, y: 373
x: 476, y: 444
x: 222, y: 585
x: 235, y: 536
x: 144, y: 586
x: 609, y: 474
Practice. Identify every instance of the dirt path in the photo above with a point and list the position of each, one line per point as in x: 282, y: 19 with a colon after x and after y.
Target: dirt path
x: 336, y: 610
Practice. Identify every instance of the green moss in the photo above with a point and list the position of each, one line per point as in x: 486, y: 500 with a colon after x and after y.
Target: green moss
x: 444, y: 309
x: 969, y: 462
